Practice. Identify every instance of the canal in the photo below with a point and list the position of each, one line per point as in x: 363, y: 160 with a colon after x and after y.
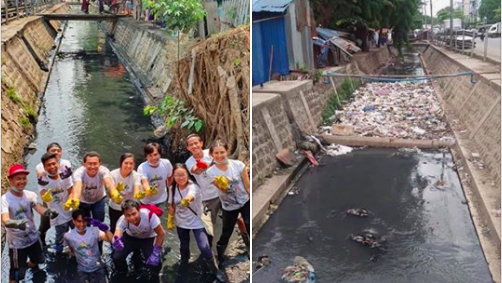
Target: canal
x: 425, y: 228
x: 91, y: 104
x: 429, y: 233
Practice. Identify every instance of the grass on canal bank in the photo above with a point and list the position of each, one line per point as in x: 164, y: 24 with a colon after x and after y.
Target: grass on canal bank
x: 335, y: 102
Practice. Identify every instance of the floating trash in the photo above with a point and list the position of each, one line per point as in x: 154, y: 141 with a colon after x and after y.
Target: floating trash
x: 360, y: 212
x: 399, y: 110
x: 301, y: 272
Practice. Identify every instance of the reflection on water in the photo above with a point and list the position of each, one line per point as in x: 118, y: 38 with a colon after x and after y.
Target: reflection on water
x: 429, y: 233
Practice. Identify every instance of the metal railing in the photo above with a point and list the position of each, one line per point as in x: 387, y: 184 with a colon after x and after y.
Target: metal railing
x: 459, y: 40
x: 15, y: 9
x: 463, y: 41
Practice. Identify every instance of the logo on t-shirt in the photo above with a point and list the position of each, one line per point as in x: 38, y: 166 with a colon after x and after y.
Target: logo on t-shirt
x: 65, y: 173
x: 156, y: 178
x: 56, y: 194
x: 20, y: 212
x: 90, y: 191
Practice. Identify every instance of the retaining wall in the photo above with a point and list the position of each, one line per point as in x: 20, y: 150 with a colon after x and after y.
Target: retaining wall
x: 475, y: 106
x: 26, y: 44
x: 150, y: 52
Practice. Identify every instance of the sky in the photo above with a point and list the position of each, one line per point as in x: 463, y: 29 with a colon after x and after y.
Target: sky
x: 438, y: 5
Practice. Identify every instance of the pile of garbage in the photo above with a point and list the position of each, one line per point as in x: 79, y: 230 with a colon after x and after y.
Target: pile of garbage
x: 300, y: 272
x: 400, y: 110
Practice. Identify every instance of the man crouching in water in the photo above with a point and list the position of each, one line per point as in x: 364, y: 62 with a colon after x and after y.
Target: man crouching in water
x: 83, y: 243
x: 138, y: 229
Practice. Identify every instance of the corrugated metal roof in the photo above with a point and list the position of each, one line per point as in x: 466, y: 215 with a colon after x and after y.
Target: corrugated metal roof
x: 278, y: 6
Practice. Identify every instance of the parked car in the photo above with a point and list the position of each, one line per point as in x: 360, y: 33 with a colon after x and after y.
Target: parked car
x: 494, y: 30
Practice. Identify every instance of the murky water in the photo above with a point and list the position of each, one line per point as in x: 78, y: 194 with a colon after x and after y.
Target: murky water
x: 429, y: 232
x: 91, y: 104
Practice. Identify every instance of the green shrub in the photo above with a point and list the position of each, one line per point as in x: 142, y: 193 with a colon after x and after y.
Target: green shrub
x: 12, y: 94
x: 345, y: 91
x: 25, y: 122
x: 31, y: 114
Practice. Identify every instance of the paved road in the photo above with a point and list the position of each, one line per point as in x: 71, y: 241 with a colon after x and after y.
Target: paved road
x: 493, y: 50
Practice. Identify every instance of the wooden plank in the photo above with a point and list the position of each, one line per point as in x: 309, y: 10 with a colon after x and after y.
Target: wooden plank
x: 213, y: 22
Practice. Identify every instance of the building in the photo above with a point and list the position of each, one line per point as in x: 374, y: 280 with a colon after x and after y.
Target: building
x: 282, y: 38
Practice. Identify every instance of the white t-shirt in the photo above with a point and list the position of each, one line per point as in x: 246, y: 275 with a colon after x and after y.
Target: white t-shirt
x: 93, y: 188
x: 129, y: 182
x: 59, y: 190
x: 236, y: 196
x: 156, y: 175
x: 19, y: 208
x: 65, y: 169
x: 145, y: 228
x: 209, y: 191
x: 184, y: 217
x: 86, y: 248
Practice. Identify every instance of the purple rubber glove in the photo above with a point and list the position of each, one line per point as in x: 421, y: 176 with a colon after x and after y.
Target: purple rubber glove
x: 154, y: 258
x: 117, y: 244
x: 96, y: 223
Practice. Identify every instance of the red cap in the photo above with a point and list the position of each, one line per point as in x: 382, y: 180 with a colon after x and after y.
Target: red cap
x: 17, y: 169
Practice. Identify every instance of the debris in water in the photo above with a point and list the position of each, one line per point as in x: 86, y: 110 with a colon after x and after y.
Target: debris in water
x: 311, y: 158
x: 361, y: 212
x: 301, y: 272
x: 368, y: 239
x: 338, y: 149
x: 263, y: 261
x: 400, y: 110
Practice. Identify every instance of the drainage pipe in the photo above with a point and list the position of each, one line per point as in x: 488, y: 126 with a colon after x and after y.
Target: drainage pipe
x: 386, y: 142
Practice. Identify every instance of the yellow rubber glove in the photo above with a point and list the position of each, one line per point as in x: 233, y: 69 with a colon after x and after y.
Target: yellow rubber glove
x: 185, y: 202
x: 152, y: 191
x: 71, y: 204
x: 170, y: 222
x: 139, y: 195
x: 120, y: 186
x: 47, y: 197
x: 116, y: 197
x: 221, y: 183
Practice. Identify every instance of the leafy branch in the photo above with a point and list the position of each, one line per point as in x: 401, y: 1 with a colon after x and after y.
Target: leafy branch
x: 176, y: 114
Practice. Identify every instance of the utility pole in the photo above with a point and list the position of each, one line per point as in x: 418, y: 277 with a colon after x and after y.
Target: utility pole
x: 451, y: 23
x: 432, y: 22
x: 432, y: 15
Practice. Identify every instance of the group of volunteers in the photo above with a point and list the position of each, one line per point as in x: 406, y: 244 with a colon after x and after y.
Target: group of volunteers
x: 74, y: 204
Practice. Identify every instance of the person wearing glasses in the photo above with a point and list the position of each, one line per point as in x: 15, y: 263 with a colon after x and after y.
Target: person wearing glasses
x: 185, y: 210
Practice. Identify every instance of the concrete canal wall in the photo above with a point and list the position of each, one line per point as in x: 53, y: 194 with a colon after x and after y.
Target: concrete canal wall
x: 280, y: 106
x: 26, y: 44
x: 475, y: 106
x: 149, y: 53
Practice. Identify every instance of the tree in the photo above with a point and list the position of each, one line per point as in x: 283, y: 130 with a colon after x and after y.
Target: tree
x: 444, y: 14
x: 398, y: 15
x: 401, y: 19
x: 490, y: 10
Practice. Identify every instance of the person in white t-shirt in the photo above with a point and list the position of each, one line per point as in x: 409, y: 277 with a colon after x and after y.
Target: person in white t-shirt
x: 137, y: 229
x: 54, y: 191
x: 128, y: 182
x: 232, y: 181
x: 89, y: 182
x: 155, y: 175
x: 65, y: 170
x: 17, y: 218
x: 185, y: 210
x: 198, y: 164
x: 83, y: 242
